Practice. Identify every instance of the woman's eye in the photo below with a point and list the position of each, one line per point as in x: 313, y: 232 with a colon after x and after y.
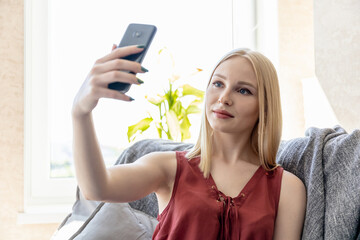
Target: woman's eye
x: 217, y: 84
x: 244, y: 91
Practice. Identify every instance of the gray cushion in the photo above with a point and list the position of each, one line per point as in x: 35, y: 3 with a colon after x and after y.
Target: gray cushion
x: 117, y: 221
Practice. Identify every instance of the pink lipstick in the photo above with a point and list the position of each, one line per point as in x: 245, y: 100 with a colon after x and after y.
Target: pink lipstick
x: 222, y: 114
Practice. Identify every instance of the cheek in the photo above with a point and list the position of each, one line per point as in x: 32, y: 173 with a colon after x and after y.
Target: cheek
x: 255, y: 107
x: 256, y: 111
x: 250, y: 109
x: 209, y: 101
x: 212, y: 93
x: 209, y: 97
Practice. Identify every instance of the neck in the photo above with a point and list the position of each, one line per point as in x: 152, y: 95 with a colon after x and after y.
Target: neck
x: 232, y: 148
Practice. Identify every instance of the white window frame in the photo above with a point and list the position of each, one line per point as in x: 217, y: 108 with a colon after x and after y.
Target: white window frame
x: 49, y: 200
x: 45, y: 199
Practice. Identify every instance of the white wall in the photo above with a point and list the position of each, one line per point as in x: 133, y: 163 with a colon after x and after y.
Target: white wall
x: 337, y: 57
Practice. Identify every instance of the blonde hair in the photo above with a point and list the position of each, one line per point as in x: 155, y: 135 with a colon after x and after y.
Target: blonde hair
x: 266, y: 135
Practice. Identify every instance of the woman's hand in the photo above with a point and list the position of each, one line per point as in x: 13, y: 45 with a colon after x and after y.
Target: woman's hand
x: 108, y: 69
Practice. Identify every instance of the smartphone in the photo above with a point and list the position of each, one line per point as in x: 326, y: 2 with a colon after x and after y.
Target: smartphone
x: 135, y: 34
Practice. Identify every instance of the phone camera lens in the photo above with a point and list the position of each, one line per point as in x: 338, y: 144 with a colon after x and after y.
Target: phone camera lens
x: 136, y: 34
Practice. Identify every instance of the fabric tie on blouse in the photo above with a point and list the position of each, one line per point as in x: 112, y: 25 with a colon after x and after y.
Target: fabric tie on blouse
x: 229, y: 219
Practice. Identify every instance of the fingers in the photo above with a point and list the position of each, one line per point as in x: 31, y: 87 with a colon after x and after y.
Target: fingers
x: 121, y: 52
x: 111, y: 68
x: 106, y: 78
x: 105, y: 71
x: 117, y: 64
x: 109, y: 93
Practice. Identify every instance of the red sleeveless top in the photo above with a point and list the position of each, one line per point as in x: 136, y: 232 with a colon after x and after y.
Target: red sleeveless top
x: 198, y: 210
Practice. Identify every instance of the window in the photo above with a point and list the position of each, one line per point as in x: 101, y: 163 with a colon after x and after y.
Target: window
x: 63, y: 40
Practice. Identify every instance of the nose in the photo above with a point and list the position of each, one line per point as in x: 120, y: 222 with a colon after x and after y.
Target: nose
x: 225, y: 99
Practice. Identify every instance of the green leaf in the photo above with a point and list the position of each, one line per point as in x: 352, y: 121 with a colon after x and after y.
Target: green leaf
x: 182, y: 114
x: 185, y: 128
x: 173, y: 125
x: 192, y: 109
x: 141, y: 126
x: 175, y: 95
x: 177, y: 108
x: 159, y: 129
x: 196, y: 102
x: 189, y: 90
x: 169, y: 98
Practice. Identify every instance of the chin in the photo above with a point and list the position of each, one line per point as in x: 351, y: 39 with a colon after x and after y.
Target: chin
x: 229, y: 128
x: 222, y: 129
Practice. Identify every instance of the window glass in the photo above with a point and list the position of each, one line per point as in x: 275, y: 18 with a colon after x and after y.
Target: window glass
x: 195, y: 33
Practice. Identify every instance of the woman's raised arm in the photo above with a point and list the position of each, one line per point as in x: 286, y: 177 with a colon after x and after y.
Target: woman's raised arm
x: 94, y: 179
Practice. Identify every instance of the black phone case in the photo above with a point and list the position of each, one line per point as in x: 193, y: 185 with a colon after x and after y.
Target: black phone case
x: 135, y: 34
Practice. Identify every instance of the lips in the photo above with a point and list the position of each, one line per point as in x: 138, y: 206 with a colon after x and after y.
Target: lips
x: 222, y: 113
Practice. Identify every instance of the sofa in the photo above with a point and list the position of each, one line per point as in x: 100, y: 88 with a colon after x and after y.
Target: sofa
x: 327, y: 161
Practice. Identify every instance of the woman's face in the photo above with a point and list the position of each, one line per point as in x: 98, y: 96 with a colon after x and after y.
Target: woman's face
x: 232, y: 104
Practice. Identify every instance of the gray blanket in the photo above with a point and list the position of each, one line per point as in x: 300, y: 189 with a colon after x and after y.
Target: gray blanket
x: 326, y: 160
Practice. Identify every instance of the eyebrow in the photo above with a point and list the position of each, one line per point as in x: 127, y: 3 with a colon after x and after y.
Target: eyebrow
x: 238, y: 83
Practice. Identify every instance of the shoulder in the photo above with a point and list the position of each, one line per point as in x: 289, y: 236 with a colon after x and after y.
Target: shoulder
x: 293, y: 192
x: 290, y: 185
x: 159, y: 156
x: 162, y: 161
x: 291, y: 211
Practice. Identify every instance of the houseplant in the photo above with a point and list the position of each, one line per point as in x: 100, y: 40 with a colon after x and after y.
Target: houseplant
x: 172, y: 120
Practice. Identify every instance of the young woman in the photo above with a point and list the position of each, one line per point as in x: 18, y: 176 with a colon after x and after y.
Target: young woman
x: 229, y: 185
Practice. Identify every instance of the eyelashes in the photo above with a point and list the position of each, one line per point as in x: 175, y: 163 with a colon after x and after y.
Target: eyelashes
x: 217, y: 84
x: 243, y: 91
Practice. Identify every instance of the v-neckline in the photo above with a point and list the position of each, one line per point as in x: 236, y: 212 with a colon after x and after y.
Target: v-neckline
x: 246, y: 189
